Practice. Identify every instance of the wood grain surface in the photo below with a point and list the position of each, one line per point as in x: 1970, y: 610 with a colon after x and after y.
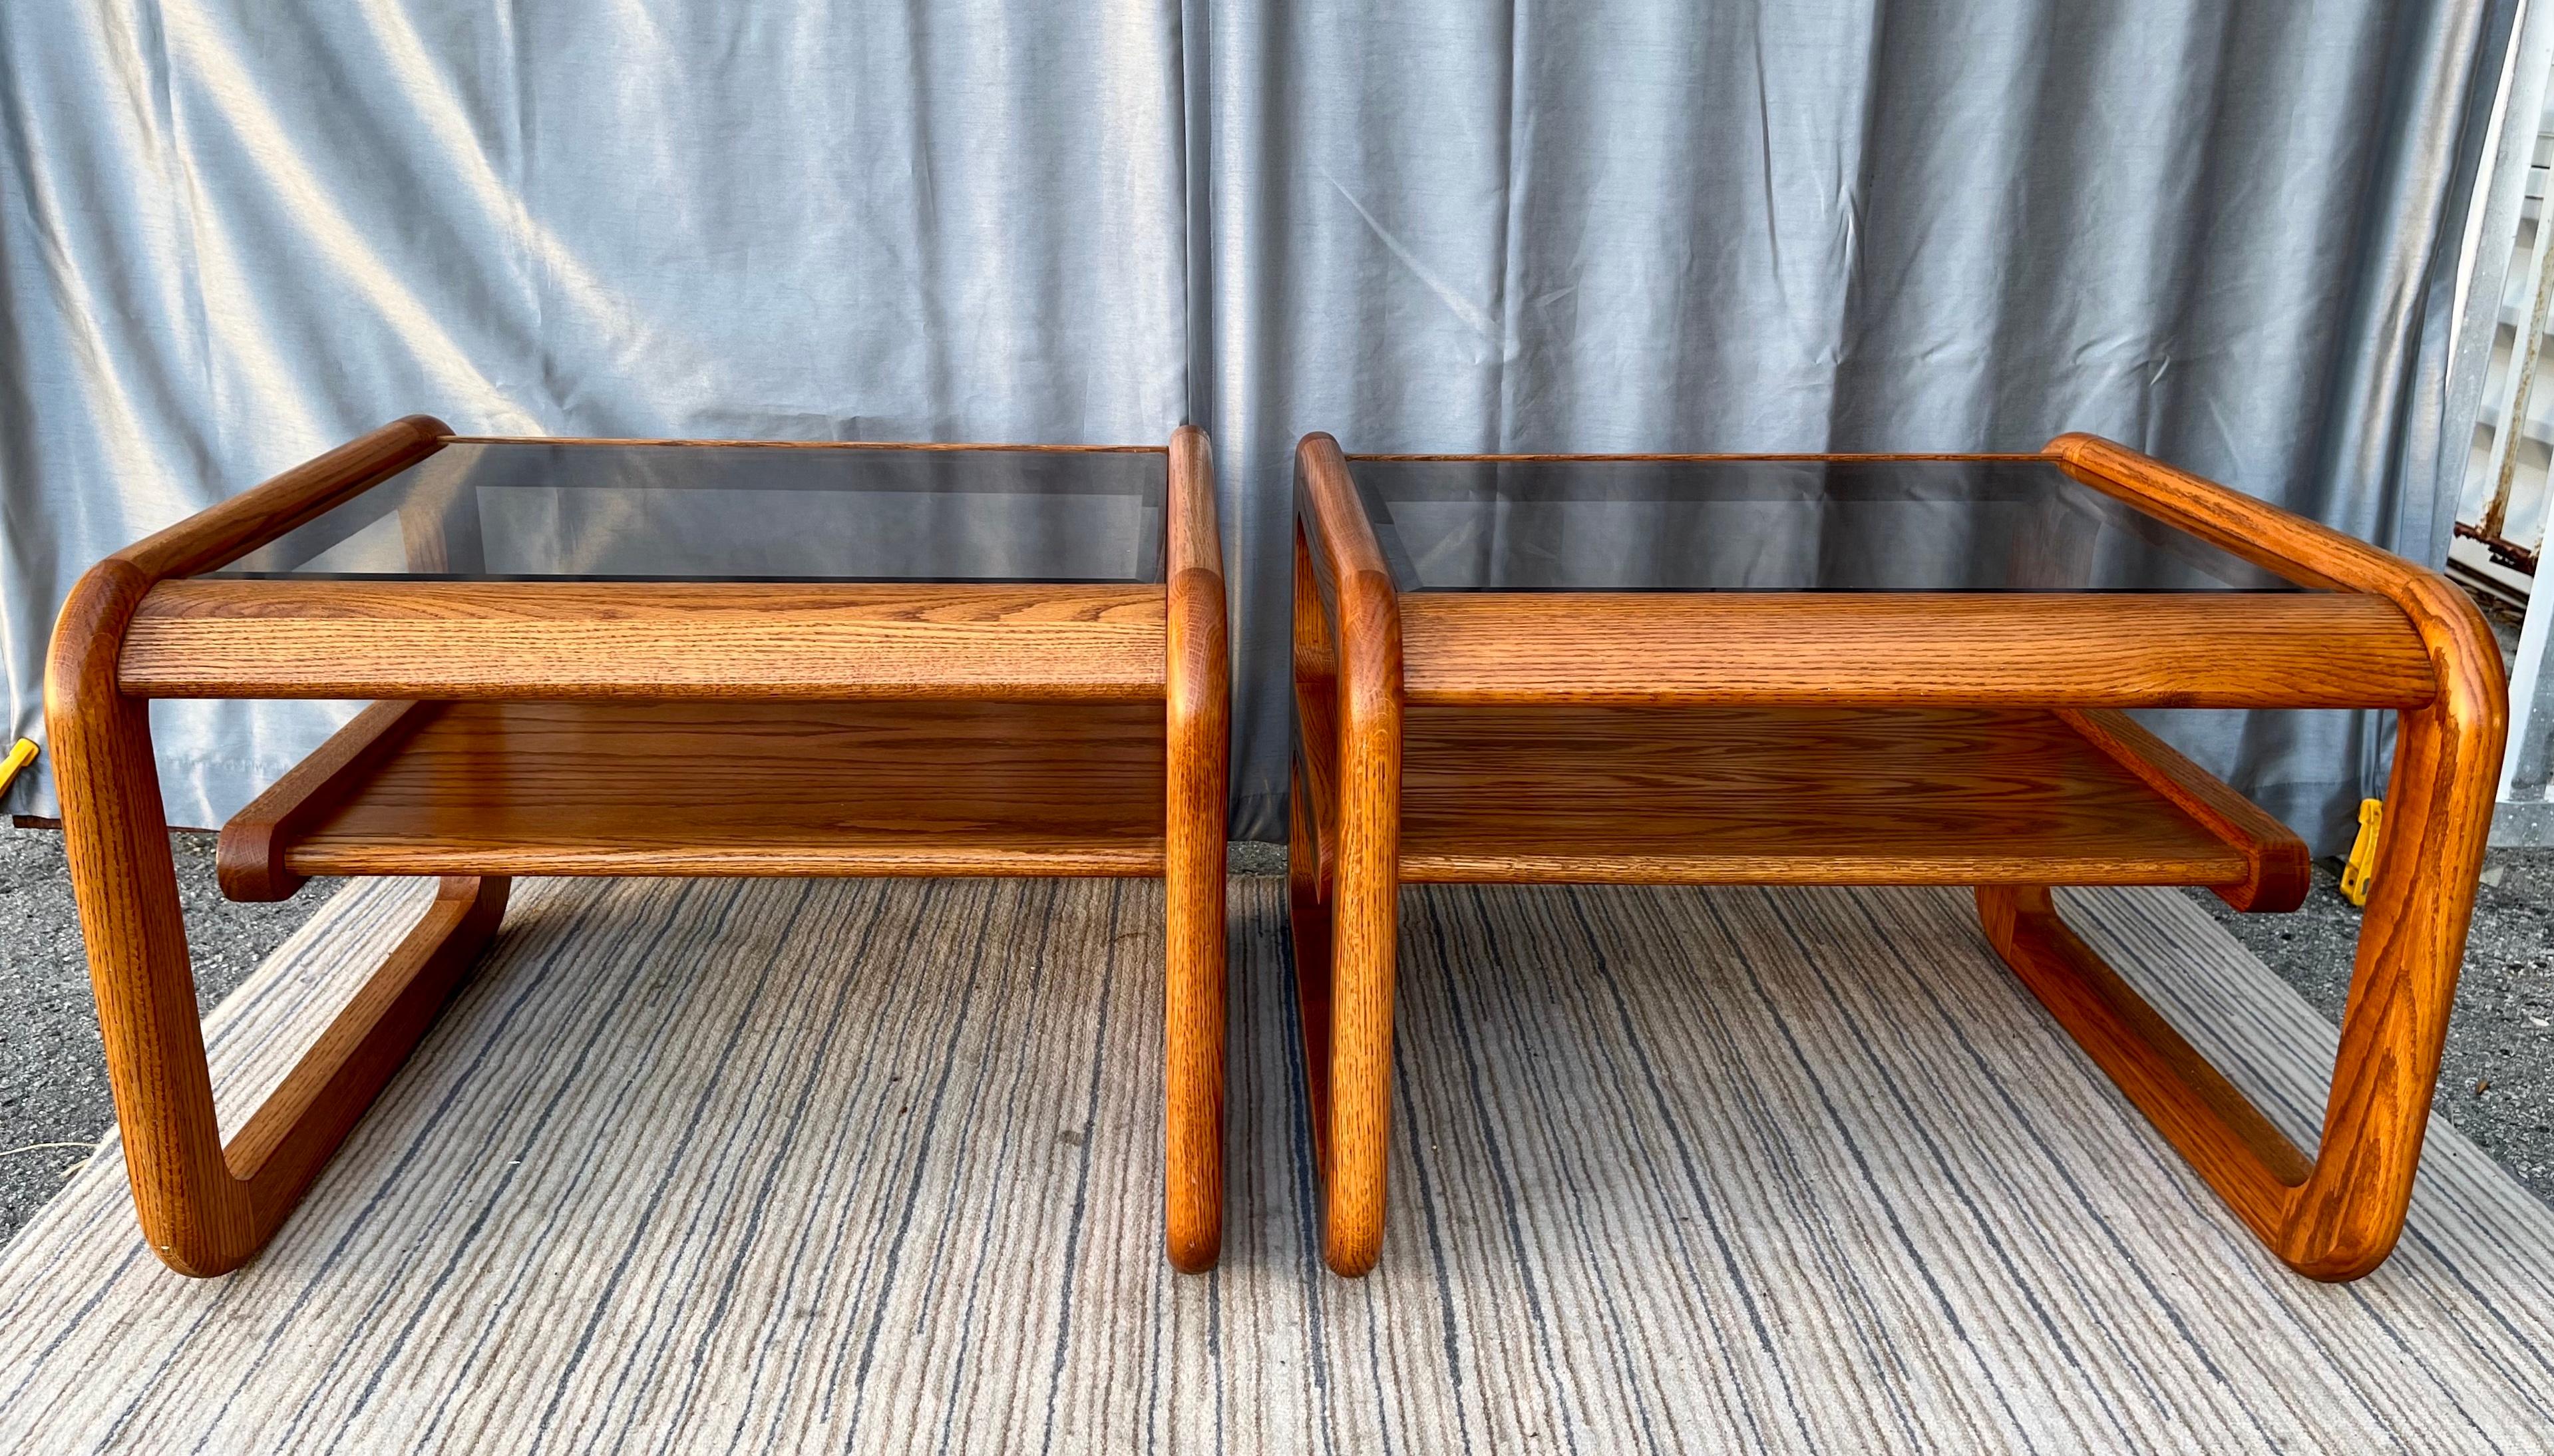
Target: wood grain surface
x: 289, y: 1139
x: 2339, y: 1218
x: 805, y: 444
x: 199, y: 1212
x: 1361, y: 914
x: 1316, y: 749
x: 2347, y: 1217
x: 1890, y: 736
x: 2306, y: 552
x: 191, y: 1210
x: 655, y: 640
x: 249, y: 860
x: 2250, y: 1162
x: 1025, y: 734
x: 1872, y: 649
x: 223, y: 532
x: 1784, y: 796
x: 903, y: 787
x: 2281, y: 868
x: 1199, y: 734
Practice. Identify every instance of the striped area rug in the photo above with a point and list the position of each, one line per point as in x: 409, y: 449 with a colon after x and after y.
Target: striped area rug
x: 870, y: 1165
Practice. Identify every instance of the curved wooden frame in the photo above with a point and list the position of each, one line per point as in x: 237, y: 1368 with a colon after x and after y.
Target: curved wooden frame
x: 2379, y: 633
x: 2339, y: 1215
x: 133, y: 629
x: 1353, y: 890
x: 1199, y: 702
x: 206, y: 1207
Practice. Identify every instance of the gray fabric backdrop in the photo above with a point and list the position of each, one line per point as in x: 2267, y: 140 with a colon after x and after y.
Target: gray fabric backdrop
x: 2224, y: 233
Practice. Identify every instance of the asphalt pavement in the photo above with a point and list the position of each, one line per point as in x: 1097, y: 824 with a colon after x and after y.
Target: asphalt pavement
x: 2497, y: 1073
x: 54, y: 1099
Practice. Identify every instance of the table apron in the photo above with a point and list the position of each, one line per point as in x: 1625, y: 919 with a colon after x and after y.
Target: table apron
x: 216, y: 639
x: 2319, y: 649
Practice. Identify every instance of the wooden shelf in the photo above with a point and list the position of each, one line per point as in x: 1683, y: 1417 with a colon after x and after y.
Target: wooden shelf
x: 710, y: 788
x: 1770, y: 795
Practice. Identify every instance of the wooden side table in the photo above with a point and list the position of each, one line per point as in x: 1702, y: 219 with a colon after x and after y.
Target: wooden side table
x: 1874, y: 670
x: 887, y: 660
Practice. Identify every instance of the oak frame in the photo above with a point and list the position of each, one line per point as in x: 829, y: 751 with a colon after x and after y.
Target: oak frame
x: 136, y: 627
x: 2379, y: 633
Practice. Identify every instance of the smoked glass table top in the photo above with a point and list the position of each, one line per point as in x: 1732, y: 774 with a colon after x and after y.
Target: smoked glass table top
x: 2008, y: 523
x: 638, y: 512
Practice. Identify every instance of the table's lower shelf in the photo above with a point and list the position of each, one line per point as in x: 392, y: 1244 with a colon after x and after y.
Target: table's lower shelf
x: 752, y: 788
x: 1738, y: 796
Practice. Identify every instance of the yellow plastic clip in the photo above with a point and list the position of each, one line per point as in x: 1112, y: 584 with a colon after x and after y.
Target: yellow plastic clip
x: 21, y: 753
x: 2361, y: 869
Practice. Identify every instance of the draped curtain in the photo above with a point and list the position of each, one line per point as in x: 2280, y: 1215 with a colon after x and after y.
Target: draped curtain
x: 237, y: 233
x: 2226, y: 234
x: 2222, y: 233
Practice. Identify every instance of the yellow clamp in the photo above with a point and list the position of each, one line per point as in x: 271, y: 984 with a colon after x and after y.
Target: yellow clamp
x: 2361, y: 869
x: 21, y: 753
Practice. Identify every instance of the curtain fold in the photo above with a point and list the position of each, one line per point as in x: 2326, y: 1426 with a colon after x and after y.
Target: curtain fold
x: 236, y: 234
x: 2225, y: 233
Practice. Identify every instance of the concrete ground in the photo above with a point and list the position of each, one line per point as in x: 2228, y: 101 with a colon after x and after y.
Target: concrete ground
x: 2497, y: 1085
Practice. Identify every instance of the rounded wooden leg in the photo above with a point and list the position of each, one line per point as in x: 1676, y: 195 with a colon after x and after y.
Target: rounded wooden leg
x: 1345, y: 935
x: 204, y: 1207
x: 2345, y: 1218
x: 1193, y: 1015
x: 193, y: 1213
x: 1308, y: 925
x: 1347, y: 849
x: 208, y: 1208
x: 2246, y: 1160
x: 1362, y: 965
x: 292, y: 1135
x: 2338, y: 1215
x: 1198, y: 698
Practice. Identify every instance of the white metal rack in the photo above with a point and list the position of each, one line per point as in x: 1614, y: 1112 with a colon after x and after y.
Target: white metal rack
x: 2500, y: 378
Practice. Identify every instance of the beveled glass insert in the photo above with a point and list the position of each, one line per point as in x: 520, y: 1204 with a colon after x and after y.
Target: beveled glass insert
x: 1878, y: 524
x: 635, y: 510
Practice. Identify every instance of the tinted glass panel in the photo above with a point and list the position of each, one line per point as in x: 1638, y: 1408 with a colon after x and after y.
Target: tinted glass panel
x: 1773, y: 525
x: 521, y: 509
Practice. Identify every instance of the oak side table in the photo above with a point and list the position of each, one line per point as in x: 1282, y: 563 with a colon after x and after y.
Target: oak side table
x: 853, y: 659
x: 1874, y: 670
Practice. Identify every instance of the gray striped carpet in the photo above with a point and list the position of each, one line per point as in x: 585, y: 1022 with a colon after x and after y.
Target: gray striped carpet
x: 858, y: 1165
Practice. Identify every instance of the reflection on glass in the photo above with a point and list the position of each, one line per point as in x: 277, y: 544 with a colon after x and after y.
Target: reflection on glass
x: 532, y: 509
x: 1994, y: 524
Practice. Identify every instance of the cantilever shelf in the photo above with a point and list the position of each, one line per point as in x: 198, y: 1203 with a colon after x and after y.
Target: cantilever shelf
x: 1958, y: 796
x: 1871, y: 796
x: 740, y: 787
